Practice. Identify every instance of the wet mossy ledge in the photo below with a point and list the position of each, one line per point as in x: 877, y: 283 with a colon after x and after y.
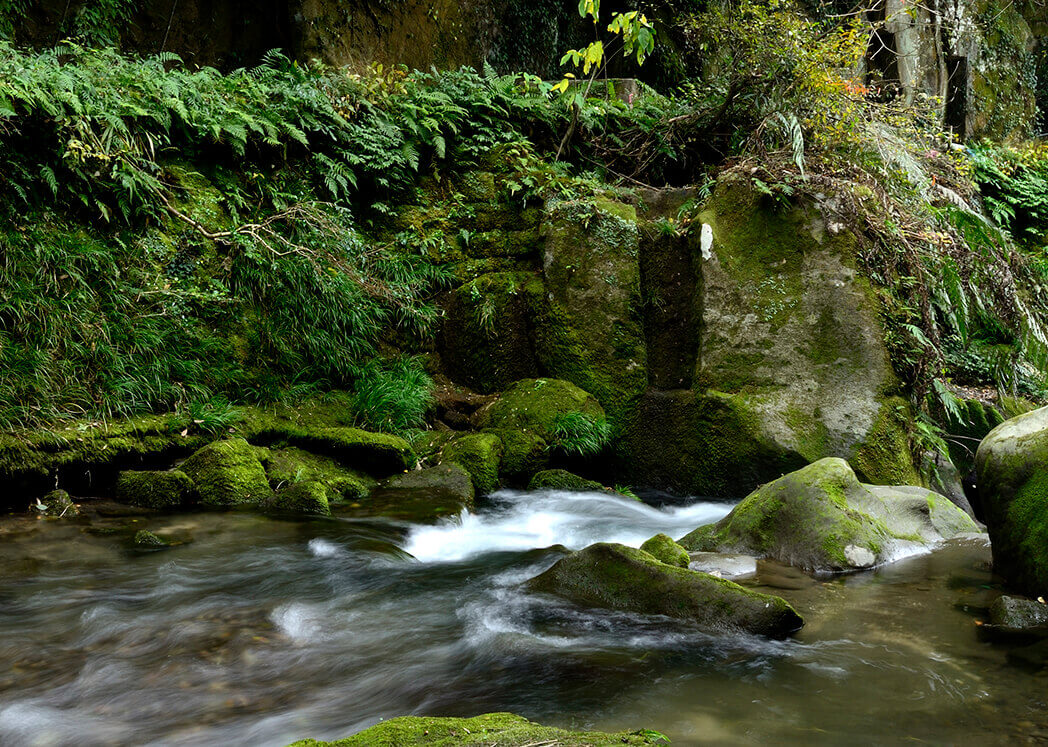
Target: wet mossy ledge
x: 503, y: 729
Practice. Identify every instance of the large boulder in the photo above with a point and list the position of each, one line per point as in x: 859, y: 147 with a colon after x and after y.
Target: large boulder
x: 612, y: 576
x: 228, y: 473
x: 503, y: 729
x: 288, y: 466
x: 561, y: 479
x: 537, y: 406
x: 822, y: 519
x: 1012, y: 467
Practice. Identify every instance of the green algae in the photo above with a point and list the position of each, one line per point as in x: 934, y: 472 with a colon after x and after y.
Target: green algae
x: 502, y: 729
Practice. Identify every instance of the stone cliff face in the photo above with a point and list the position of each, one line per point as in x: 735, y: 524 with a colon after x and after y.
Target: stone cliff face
x: 718, y: 369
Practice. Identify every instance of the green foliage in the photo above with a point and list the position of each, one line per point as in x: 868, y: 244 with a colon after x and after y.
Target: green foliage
x: 1014, y: 183
x: 393, y: 395
x: 578, y: 434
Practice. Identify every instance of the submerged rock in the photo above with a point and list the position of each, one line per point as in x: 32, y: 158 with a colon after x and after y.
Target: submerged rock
x: 561, y: 479
x: 1017, y: 613
x: 57, y: 503
x: 617, y: 577
x: 480, y: 454
x: 425, y: 494
x: 228, y: 473
x: 664, y: 549
x: 822, y: 519
x: 503, y: 729
x: 170, y: 489
x: 1012, y: 467
x: 305, y: 497
x: 146, y: 540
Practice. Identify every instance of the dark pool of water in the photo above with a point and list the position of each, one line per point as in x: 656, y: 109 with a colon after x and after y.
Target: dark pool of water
x: 257, y: 631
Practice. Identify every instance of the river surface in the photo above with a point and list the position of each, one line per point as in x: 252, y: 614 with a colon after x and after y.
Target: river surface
x: 257, y: 631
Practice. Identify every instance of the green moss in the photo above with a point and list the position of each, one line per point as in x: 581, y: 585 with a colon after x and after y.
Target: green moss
x: 481, y: 455
x: 374, y: 453
x: 664, y: 549
x: 502, y: 729
x: 290, y: 465
x: 617, y: 577
x: 228, y: 473
x: 170, y: 489
x: 885, y: 456
x: 534, y: 405
x: 486, y: 341
x: 305, y: 497
x: 523, y: 454
x: 146, y: 540
x: 560, y: 479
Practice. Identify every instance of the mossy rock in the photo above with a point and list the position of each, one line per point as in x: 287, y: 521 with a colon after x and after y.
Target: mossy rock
x: 228, y: 473
x: 155, y: 489
x: 1012, y: 468
x: 309, y: 497
x: 485, y: 339
x: 1017, y: 613
x: 535, y: 405
x: 663, y: 548
x: 524, y: 453
x: 587, y: 315
x: 480, y: 454
x: 86, y: 456
x: 146, y: 540
x: 425, y: 494
x: 884, y: 456
x: 822, y: 519
x: 561, y: 479
x: 378, y: 454
x: 291, y: 465
x: 612, y: 576
x: 59, y: 504
x: 502, y: 729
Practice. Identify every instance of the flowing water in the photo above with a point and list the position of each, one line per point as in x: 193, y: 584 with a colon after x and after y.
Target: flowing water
x: 256, y: 631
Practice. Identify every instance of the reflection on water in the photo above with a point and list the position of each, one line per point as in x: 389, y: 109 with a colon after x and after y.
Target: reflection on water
x: 260, y: 632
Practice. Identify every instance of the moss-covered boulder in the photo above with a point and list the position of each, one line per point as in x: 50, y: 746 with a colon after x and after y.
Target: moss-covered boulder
x: 155, y: 489
x: 537, y: 406
x: 424, y: 494
x: 588, y: 314
x: 612, y: 576
x: 481, y: 455
x: 228, y: 473
x: 561, y: 479
x: 502, y: 729
x: 291, y: 465
x: 308, y: 497
x: 663, y: 548
x: 822, y: 519
x: 486, y: 339
x: 59, y: 504
x: 1012, y: 468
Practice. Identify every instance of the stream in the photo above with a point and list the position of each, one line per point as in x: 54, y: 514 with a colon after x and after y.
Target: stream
x: 257, y: 631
